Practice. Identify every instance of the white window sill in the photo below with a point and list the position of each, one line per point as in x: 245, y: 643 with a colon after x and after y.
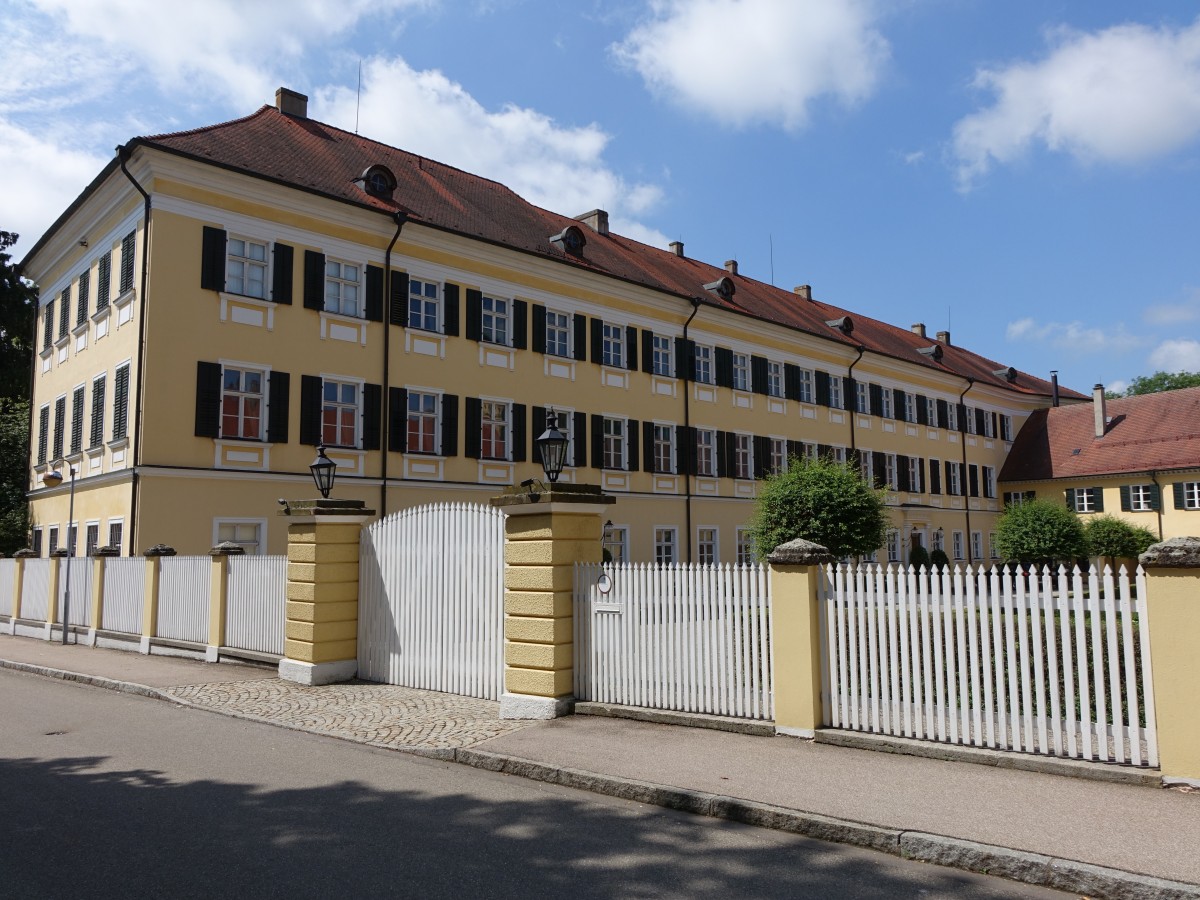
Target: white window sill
x: 336, y: 327
x: 102, y: 313
x: 497, y: 355
x: 252, y: 311
x: 425, y: 343
x: 126, y: 298
x: 119, y: 444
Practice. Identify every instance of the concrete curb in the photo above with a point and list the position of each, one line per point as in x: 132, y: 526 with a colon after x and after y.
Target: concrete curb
x: 1018, y: 865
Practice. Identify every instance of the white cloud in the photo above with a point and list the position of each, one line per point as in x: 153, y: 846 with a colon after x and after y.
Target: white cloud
x: 560, y: 168
x: 1075, y: 337
x: 1177, y: 355
x: 1117, y: 386
x: 748, y: 61
x: 1187, y: 310
x: 1123, y: 95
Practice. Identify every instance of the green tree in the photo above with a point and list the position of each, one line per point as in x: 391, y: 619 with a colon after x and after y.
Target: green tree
x: 1039, y: 532
x: 938, y: 558
x: 18, y: 313
x: 822, y: 501
x: 1108, y: 536
x: 919, y: 557
x: 14, y: 447
x: 1158, y: 382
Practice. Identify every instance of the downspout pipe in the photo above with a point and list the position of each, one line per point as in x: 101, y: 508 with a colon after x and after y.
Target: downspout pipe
x: 123, y: 154
x: 687, y: 365
x: 1153, y: 478
x: 400, y: 218
x: 963, y: 481
x: 852, y: 402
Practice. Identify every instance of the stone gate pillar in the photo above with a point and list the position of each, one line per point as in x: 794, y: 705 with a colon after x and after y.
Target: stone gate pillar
x: 321, y: 638
x: 545, y: 534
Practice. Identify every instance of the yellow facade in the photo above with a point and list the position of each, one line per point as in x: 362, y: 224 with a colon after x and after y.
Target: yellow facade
x: 164, y: 484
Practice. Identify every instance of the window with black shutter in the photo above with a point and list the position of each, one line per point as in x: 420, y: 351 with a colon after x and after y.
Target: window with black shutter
x: 519, y: 435
x: 373, y: 311
x: 685, y: 450
x: 310, y: 410
x: 973, y: 479
x: 597, y: 341
x: 935, y: 477
x: 879, y: 469
x: 278, y: 395
x: 44, y: 435
x: 474, y: 330
x: 631, y: 348
x: 127, y: 251
x: 943, y: 414
x: 97, y: 435
x: 876, y: 393
x: 822, y: 387
x: 520, y: 325
x: 579, y: 324
x: 648, y: 446
x: 472, y: 423
x: 632, y: 463
x: 212, y: 259
x: 449, y: 425
x: 922, y: 409
x: 208, y: 399
x: 597, y: 442
x: 962, y: 417
x: 979, y: 423
x: 903, y: 479
x: 758, y: 374
x: 898, y: 405
x: 579, y: 439
x: 283, y: 262
x: 723, y: 361
x: 314, y: 280
x: 539, y: 328
x: 120, y: 404
x: 762, y: 455
x: 397, y: 415
x: 791, y: 381
x: 684, y: 358
x: 450, y: 299
x: 648, y: 351
x: 398, y: 299
x: 77, y: 420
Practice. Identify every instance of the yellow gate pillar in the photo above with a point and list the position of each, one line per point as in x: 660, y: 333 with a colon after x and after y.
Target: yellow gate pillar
x: 796, y: 635
x: 1172, y: 605
x: 321, y: 637
x: 545, y: 534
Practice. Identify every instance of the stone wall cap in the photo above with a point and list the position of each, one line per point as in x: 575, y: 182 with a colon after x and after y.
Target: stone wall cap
x: 1174, y: 553
x: 518, y: 495
x: 227, y: 548
x: 322, y: 507
x: 159, y: 550
x: 60, y: 553
x: 107, y: 551
x: 799, y: 552
x: 26, y: 553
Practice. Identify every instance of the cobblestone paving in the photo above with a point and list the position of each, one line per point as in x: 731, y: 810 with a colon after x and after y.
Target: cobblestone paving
x: 378, y: 714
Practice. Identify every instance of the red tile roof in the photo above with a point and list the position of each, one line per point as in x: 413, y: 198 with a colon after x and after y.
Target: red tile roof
x: 312, y: 156
x: 1149, y: 432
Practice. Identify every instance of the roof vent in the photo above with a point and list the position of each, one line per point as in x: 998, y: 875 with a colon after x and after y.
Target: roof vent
x: 722, y: 287
x: 944, y: 337
x: 934, y: 352
x: 845, y: 324
x: 291, y: 103
x: 597, y: 220
x: 803, y: 291
x: 378, y: 181
x: 918, y: 329
x: 1009, y: 374
x: 731, y: 266
x: 570, y: 240
x: 676, y: 247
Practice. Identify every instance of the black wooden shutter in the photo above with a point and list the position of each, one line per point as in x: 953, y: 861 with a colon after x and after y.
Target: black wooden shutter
x: 631, y: 348
x: 374, y: 285
x: 876, y: 393
x: 724, y: 451
x: 943, y: 414
x: 579, y: 326
x: 579, y: 439
x: 597, y: 341
x: 822, y: 387
x: 758, y: 374
x: 973, y: 478
x: 519, y: 436
x: 520, y: 329
x: 1155, y: 497
x: 449, y: 425
x: 648, y: 446
x: 539, y: 328
x: 791, y: 381
x: 849, y: 393
x: 922, y: 409
x: 310, y: 410
x: 1179, y: 494
x: 903, y: 482
x: 397, y: 420
x: 879, y: 469
x: 372, y: 416
x: 995, y: 424
x: 723, y: 357
x: 314, y: 280
x: 212, y: 260
x: 208, y: 399
x: 597, y: 442
x: 898, y: 407
x: 278, y: 395
x: 979, y: 423
x: 648, y: 351
x: 474, y: 315
x: 962, y: 418
x: 762, y: 455
x: 950, y: 481
x: 631, y: 445
x: 283, y: 260
x: 935, y: 477
x: 1098, y: 499
x: 683, y: 359
x: 795, y: 450
x: 685, y: 450
x: 398, y: 299
x: 1070, y: 493
x: 472, y: 430
x: 1126, y: 499
x: 450, y: 310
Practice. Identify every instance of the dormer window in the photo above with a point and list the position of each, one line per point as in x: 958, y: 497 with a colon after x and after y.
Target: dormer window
x: 378, y: 181
x: 845, y: 324
x: 934, y: 352
x: 570, y: 240
x: 722, y: 287
x: 1009, y: 374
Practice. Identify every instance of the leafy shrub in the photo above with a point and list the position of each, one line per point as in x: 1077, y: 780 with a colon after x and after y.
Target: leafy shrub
x: 938, y: 558
x: 1040, y: 532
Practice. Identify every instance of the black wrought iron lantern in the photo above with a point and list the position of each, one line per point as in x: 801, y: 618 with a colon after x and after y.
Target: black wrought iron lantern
x: 323, y: 471
x: 552, y: 447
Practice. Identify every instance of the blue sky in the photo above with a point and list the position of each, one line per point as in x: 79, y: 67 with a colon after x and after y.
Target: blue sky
x: 1024, y: 173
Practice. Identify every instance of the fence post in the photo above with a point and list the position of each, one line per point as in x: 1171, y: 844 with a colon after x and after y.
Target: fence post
x: 218, y: 596
x: 321, y: 636
x: 1172, y: 613
x: 796, y: 635
x: 153, y: 557
x: 99, y: 570
x: 52, y: 589
x: 18, y: 586
x: 545, y: 534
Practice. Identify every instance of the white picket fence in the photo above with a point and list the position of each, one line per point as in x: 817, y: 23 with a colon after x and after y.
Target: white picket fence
x: 124, y: 594
x: 684, y: 637
x: 1048, y: 664
x: 35, y: 589
x: 183, y: 598
x: 80, y: 612
x: 257, y: 599
x: 7, y: 575
x: 431, y: 600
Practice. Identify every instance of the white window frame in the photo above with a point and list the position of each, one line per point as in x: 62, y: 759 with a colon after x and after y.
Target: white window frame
x: 993, y: 547
x: 969, y: 413
x: 52, y: 535
x: 662, y: 360
x: 863, y: 397
x: 741, y: 372
x: 951, y: 416
x: 666, y: 544
x: 422, y: 306
x: 804, y: 385
x: 247, y: 264
x: 424, y: 417
x: 957, y: 544
x: 743, y: 456
x: 885, y: 410
x: 866, y: 466
x: 893, y: 545
x: 558, y: 334
x: 1085, y: 500
x: 745, y: 547
x: 343, y: 284
x: 836, y: 401
x: 615, y: 440
x: 989, y: 482
x: 910, y: 408
x: 931, y: 411
x: 774, y: 378
x: 119, y: 523
x: 495, y: 320
x: 891, y: 471
x: 264, y: 374
x: 1141, y: 498
x: 989, y: 425
x: 954, y: 481
x: 706, y: 453
x: 617, y: 542
x: 340, y: 404
x: 488, y: 407
x: 664, y: 448
x: 976, y: 545
x: 1006, y: 429
x: 1191, y: 495
x: 612, y: 345
x: 777, y: 463
x: 237, y: 522
x: 90, y: 545
x: 914, y: 476
x: 702, y: 364
x: 707, y: 545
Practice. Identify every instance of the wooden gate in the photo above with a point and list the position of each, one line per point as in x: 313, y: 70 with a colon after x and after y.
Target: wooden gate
x: 431, y: 600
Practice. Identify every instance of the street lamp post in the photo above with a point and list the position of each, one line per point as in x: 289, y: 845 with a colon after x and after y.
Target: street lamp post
x: 324, y: 471
x: 552, y: 447
x: 53, y: 480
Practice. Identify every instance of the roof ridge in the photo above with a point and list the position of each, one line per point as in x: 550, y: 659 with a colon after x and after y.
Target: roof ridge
x: 203, y: 128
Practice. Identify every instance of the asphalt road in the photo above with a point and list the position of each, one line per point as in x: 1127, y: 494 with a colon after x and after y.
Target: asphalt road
x: 109, y: 795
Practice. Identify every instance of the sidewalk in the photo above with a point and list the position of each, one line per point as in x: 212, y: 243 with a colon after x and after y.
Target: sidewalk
x: 1089, y: 837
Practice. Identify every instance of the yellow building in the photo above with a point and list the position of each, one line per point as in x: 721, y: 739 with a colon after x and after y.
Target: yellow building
x: 220, y: 301
x: 1137, y: 458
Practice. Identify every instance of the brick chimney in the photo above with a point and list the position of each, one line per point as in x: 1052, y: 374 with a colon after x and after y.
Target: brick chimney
x: 597, y: 220
x: 731, y: 266
x: 291, y: 103
x: 1099, y: 410
x: 944, y: 337
x: 803, y: 291
x: 918, y: 329
x: 676, y: 247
